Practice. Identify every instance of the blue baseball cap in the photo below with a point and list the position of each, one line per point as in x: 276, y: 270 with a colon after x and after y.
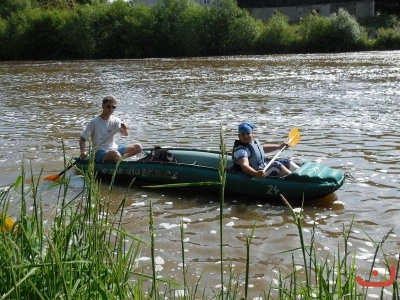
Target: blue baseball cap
x: 246, y: 127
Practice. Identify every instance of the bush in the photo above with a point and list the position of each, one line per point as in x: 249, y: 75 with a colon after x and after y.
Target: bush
x: 340, y: 32
x: 316, y: 33
x: 243, y: 34
x: 3, y: 35
x: 140, y: 32
x: 192, y: 30
x: 110, y: 29
x: 277, y: 35
x: 124, y: 31
x: 8, y: 7
x: 78, y: 33
x: 231, y: 29
x: 176, y: 24
x: 17, y: 40
x: 176, y: 28
x: 388, y: 39
x: 37, y: 34
x: 346, y: 30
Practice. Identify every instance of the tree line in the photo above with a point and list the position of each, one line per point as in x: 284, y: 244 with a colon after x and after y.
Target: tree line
x: 79, y: 29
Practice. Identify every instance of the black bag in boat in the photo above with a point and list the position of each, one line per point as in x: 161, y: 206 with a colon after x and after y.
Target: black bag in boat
x: 159, y: 154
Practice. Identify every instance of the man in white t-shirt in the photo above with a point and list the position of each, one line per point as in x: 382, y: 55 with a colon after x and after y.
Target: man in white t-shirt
x: 101, y: 131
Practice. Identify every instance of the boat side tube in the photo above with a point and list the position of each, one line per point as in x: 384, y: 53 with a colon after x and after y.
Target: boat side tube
x: 314, y: 172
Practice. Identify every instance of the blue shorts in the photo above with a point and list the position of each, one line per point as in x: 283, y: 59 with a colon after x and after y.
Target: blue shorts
x: 100, y: 154
x: 277, y: 165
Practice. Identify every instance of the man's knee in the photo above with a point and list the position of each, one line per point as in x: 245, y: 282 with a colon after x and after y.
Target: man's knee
x: 112, y: 155
x: 139, y: 148
x: 134, y: 149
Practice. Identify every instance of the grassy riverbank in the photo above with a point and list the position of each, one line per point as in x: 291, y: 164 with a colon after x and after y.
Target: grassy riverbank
x: 179, y: 28
x: 83, y: 252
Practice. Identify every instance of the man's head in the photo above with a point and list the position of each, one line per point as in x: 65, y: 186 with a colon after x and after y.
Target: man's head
x: 110, y: 103
x: 245, y: 131
x: 246, y: 127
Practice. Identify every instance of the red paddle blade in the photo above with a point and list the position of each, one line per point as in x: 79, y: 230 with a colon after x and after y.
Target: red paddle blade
x: 54, y: 177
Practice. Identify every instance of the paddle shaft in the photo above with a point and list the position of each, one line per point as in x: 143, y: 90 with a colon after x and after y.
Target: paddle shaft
x: 273, y: 159
x: 280, y: 151
x: 67, y: 168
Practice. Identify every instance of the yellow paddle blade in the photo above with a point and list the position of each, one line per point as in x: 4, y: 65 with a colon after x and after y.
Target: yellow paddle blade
x: 295, y: 131
x: 6, y: 224
x: 294, y: 137
x: 295, y: 141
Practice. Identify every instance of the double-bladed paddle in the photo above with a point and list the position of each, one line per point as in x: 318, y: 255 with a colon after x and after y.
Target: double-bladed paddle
x: 293, y: 139
x: 55, y: 177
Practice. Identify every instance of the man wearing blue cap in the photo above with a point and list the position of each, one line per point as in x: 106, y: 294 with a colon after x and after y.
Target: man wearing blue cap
x: 249, y: 155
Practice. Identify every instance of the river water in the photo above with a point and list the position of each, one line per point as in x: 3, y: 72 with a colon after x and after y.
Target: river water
x: 345, y: 105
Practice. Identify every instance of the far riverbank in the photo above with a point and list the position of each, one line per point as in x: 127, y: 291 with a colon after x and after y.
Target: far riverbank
x: 181, y: 28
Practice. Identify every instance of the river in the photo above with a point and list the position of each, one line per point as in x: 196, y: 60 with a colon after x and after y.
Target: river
x: 346, y: 106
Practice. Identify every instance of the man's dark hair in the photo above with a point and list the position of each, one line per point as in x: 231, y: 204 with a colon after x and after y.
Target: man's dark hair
x: 109, y: 99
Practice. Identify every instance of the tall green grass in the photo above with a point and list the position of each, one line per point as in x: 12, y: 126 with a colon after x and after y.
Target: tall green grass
x: 83, y: 252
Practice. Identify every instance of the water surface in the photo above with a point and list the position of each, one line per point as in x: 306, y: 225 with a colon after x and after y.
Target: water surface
x: 346, y: 106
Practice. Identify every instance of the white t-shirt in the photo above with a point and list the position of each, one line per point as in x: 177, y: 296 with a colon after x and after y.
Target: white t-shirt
x: 101, y: 132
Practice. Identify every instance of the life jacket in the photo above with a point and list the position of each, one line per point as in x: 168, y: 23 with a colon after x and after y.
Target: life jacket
x: 255, y: 153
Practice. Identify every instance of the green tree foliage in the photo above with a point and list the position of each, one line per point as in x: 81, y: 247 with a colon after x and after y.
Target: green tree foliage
x: 172, y: 17
x: 58, y: 4
x: 122, y: 30
x: 8, y: 7
x: 34, y: 29
x: 277, y: 35
x: 16, y: 40
x: 388, y: 39
x: 64, y: 4
x: 244, y: 31
x: 346, y: 31
x: 340, y: 32
x: 193, y: 30
x: 37, y: 34
x: 79, y: 33
x: 315, y: 32
x: 3, y: 33
x: 140, y: 32
x: 231, y: 29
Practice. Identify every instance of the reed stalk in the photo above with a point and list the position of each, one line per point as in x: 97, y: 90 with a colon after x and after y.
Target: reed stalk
x: 184, y: 269
x: 247, y: 275
x: 79, y: 255
x: 222, y: 177
x: 153, y: 293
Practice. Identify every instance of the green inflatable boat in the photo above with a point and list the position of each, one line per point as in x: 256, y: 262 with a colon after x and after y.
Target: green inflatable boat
x: 311, y: 181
